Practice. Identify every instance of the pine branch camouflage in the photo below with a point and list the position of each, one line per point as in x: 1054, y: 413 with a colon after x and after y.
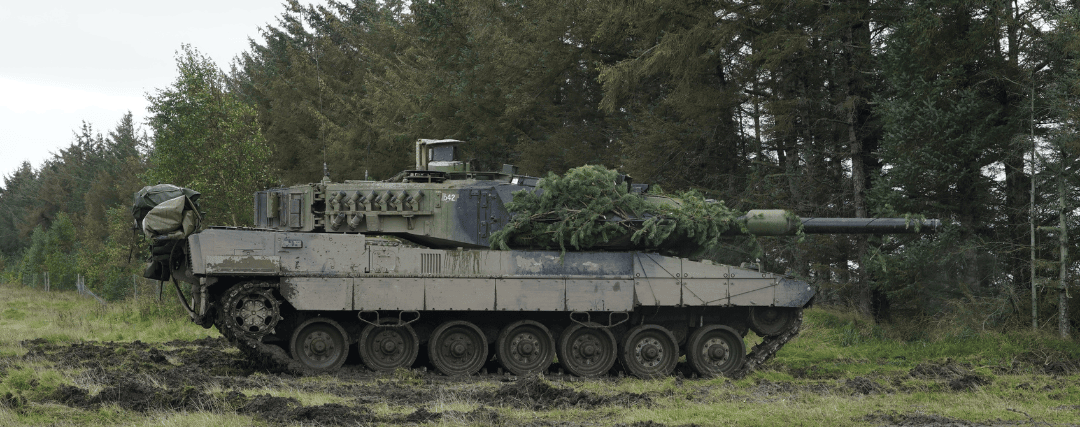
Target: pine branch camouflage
x: 590, y: 206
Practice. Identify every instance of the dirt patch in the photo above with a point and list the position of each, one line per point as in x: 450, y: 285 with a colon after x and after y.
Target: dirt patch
x: 285, y: 410
x: 393, y: 392
x: 142, y: 397
x: 945, y: 370
x: 208, y: 357
x: 136, y: 396
x: 210, y: 374
x: 865, y: 386
x: 893, y: 418
x: 535, y: 392
x: 765, y: 388
x: 968, y: 382
x: 956, y: 376
x: 176, y: 376
x: 72, y: 396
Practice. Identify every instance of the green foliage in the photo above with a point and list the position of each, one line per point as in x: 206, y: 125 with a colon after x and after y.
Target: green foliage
x: 688, y: 218
x: 956, y: 115
x: 112, y: 263
x: 52, y: 251
x: 308, y: 80
x: 71, y: 208
x: 584, y: 208
x: 591, y: 207
x: 207, y: 139
x: 17, y: 198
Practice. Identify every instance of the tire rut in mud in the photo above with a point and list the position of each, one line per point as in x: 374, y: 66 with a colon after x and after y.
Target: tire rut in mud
x: 534, y: 392
x: 210, y: 374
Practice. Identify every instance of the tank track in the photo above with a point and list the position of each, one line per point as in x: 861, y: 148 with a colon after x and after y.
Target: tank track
x: 276, y: 359
x: 768, y: 347
x: 266, y: 356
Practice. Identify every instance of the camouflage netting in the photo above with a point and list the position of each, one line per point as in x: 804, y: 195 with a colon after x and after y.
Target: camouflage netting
x: 167, y: 211
x: 591, y: 208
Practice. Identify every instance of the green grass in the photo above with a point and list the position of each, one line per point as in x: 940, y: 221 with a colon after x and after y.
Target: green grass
x: 810, y: 382
x: 832, y: 342
x: 68, y: 317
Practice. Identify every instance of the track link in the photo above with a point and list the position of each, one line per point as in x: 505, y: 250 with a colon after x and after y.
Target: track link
x: 764, y: 351
x: 266, y: 356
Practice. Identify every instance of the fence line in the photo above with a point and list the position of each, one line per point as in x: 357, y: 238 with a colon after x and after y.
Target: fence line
x: 137, y: 281
x: 80, y: 284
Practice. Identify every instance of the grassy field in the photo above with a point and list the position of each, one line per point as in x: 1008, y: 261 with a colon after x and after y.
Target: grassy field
x: 66, y: 360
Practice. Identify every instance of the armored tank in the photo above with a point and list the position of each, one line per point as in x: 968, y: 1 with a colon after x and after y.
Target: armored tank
x: 402, y: 268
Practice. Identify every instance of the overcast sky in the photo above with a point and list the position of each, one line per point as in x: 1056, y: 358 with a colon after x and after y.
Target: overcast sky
x: 63, y: 62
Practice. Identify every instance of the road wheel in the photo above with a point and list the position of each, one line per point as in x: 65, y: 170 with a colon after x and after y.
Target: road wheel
x: 525, y: 347
x: 772, y: 321
x: 386, y: 348
x: 320, y: 344
x: 649, y: 351
x: 714, y: 350
x: 457, y: 348
x: 587, y: 350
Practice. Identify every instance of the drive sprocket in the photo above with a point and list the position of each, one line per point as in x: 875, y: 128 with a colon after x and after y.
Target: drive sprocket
x: 249, y: 310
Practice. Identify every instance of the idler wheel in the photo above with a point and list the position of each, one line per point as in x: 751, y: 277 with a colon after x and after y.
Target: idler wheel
x: 649, y: 351
x: 772, y: 321
x: 457, y: 348
x: 320, y: 344
x: 250, y: 310
x: 386, y: 348
x: 587, y: 350
x: 715, y: 350
x: 525, y: 347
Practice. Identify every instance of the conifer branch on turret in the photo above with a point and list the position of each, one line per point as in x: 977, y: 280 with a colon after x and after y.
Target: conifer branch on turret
x: 590, y: 207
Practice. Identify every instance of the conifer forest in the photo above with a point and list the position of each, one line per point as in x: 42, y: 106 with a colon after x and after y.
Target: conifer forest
x: 959, y: 110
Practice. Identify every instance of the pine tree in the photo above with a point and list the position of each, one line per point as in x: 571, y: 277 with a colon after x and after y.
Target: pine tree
x: 18, y: 199
x: 953, y: 121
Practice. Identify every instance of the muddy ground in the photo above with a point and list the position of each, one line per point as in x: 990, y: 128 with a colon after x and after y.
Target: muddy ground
x: 210, y: 375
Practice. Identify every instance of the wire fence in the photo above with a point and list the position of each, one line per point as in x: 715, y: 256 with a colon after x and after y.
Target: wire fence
x: 138, y: 286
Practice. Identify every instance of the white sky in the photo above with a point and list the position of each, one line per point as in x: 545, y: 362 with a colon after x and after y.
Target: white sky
x: 65, y: 61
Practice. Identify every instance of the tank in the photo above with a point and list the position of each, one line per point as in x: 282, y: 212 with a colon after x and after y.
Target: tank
x: 401, y: 270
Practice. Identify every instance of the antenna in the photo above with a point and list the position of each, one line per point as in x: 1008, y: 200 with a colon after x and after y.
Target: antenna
x: 318, y: 79
x: 314, y: 40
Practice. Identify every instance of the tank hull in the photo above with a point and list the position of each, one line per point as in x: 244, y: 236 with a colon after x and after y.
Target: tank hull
x: 265, y: 286
x: 321, y: 271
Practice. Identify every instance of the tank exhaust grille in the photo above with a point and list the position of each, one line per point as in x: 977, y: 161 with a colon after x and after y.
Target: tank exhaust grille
x: 431, y: 263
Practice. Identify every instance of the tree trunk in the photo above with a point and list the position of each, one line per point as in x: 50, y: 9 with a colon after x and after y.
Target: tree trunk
x: 1063, y: 244
x: 860, y: 140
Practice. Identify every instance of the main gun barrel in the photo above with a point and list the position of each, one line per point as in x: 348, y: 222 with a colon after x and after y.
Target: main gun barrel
x: 762, y: 222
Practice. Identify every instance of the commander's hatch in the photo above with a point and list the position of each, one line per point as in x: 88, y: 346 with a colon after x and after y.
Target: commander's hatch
x: 438, y: 155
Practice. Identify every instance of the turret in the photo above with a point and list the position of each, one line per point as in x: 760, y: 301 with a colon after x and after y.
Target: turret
x: 444, y: 204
